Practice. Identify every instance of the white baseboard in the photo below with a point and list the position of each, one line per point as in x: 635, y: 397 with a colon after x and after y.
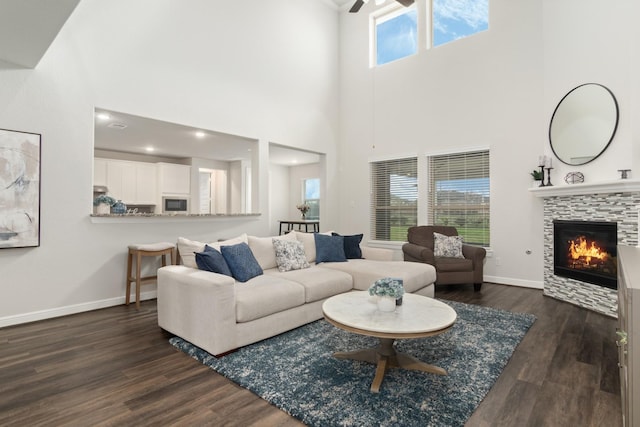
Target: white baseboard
x: 34, y: 316
x: 514, y: 282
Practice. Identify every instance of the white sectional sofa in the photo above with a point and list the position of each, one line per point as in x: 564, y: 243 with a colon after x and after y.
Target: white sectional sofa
x: 219, y: 314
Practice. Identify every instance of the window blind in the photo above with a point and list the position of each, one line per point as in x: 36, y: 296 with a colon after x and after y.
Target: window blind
x: 459, y: 194
x: 394, y: 198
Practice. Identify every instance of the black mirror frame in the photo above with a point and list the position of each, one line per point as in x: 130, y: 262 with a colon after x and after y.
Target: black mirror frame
x: 613, y: 134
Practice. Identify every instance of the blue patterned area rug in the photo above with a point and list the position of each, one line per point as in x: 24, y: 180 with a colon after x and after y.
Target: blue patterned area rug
x: 296, y: 372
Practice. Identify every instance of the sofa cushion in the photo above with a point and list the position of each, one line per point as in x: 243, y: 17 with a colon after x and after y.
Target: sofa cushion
x: 352, y: 246
x: 264, y: 295
x: 447, y: 246
x: 263, y: 250
x: 290, y: 255
x: 187, y: 248
x: 365, y: 272
x: 212, y: 260
x: 318, y: 283
x: 329, y: 248
x: 242, y: 263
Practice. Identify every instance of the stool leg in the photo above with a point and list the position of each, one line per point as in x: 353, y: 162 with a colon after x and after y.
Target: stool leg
x: 129, y: 259
x: 138, y: 279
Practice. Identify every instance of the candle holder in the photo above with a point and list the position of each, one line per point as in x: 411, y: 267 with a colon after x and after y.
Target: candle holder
x: 548, y: 184
x: 542, y: 173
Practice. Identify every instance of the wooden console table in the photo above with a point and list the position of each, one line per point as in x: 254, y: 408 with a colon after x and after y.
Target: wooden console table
x: 289, y: 224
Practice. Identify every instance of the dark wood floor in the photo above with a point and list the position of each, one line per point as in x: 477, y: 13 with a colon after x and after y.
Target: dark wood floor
x: 115, y: 367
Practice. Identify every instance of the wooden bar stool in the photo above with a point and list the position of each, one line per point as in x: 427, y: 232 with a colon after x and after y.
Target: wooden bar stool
x: 145, y: 250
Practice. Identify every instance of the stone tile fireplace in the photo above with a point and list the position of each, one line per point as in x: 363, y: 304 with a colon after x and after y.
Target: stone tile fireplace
x: 593, y: 219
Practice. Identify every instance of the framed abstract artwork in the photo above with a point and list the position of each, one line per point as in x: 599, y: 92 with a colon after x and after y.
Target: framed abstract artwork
x: 19, y: 189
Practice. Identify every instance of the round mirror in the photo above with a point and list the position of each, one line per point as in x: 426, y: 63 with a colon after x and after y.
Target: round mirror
x: 583, y: 124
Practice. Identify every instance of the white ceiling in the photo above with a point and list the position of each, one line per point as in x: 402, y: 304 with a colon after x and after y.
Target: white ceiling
x: 127, y: 133
x: 27, y: 29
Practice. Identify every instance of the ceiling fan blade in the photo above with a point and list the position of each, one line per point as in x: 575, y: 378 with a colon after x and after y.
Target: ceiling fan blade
x: 356, y: 6
x: 405, y: 3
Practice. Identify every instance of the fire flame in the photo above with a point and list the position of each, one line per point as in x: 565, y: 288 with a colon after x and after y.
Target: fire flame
x: 580, y: 248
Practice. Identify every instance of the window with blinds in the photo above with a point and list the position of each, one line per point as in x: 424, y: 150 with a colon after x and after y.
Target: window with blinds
x: 394, y: 198
x: 459, y: 194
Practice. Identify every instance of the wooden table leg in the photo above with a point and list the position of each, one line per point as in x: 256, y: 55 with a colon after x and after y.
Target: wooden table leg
x: 384, y: 357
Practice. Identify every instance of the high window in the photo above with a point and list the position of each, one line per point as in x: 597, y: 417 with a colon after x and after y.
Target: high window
x: 394, y: 198
x: 394, y: 28
x: 311, y: 196
x: 396, y: 34
x: 459, y: 194
x: 455, y: 19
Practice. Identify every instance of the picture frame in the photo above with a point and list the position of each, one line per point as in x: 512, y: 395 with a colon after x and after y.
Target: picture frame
x: 20, y: 171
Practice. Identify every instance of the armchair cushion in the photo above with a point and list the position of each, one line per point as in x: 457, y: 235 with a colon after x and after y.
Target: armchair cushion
x: 448, y: 264
x: 447, y: 246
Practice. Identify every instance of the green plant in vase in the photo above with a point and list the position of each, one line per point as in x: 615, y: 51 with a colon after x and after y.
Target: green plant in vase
x: 103, y: 204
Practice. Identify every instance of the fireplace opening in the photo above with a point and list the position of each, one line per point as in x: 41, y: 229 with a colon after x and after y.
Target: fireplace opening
x: 586, y: 251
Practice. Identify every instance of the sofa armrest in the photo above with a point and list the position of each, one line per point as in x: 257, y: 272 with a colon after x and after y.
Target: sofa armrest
x: 377, y: 254
x: 417, y: 253
x: 198, y: 306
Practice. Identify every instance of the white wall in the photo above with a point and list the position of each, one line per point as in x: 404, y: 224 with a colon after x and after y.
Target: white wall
x: 242, y: 67
x: 496, y: 89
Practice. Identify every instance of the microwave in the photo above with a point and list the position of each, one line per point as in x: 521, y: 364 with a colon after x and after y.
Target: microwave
x: 175, y: 205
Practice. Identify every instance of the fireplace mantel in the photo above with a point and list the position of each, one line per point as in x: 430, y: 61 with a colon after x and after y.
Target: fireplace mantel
x: 617, y: 186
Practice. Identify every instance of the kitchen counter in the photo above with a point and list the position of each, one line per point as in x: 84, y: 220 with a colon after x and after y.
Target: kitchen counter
x: 148, y: 217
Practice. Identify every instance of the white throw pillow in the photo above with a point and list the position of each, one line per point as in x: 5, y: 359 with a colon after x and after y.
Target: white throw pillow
x: 263, y: 250
x: 447, y: 246
x: 187, y: 248
x: 290, y: 255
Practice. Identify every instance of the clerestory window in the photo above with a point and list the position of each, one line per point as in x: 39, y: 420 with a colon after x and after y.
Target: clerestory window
x: 395, y: 29
x: 456, y: 19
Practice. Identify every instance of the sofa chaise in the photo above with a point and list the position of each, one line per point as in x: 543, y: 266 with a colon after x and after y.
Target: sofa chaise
x: 219, y: 313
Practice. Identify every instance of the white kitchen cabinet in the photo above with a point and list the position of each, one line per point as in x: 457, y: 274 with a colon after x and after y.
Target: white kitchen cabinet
x: 121, y: 177
x: 146, y: 184
x: 174, y: 179
x: 135, y: 183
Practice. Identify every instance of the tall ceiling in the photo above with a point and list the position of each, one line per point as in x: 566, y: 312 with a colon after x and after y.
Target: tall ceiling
x: 28, y: 27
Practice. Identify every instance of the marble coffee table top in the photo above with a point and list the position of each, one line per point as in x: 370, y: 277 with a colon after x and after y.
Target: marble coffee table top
x: 417, y: 314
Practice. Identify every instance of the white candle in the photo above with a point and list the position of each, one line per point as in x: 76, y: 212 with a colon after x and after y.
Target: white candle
x: 547, y: 162
x: 541, y: 160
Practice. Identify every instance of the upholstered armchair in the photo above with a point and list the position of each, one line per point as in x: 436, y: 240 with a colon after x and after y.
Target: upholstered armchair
x: 449, y: 270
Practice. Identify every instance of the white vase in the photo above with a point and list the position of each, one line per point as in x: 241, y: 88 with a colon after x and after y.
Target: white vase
x: 386, y: 304
x: 103, y: 209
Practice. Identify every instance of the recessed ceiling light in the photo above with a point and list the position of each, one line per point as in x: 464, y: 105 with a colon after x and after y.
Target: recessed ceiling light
x: 200, y: 134
x: 103, y: 116
x: 118, y: 126
x: 150, y: 149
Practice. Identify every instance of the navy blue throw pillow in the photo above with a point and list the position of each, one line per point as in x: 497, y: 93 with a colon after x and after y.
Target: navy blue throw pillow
x: 241, y: 262
x: 352, y: 246
x: 212, y: 260
x: 329, y: 248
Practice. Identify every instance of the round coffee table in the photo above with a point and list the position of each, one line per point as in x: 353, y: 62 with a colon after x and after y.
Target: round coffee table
x: 417, y: 317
